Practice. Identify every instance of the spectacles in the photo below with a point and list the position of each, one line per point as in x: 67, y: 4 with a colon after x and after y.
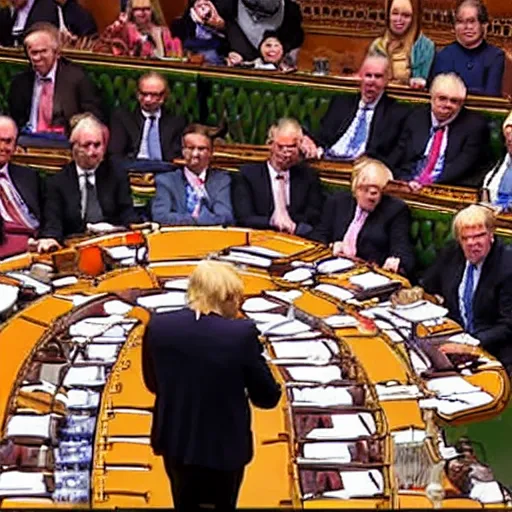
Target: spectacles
x: 201, y: 149
x: 470, y: 22
x: 156, y: 95
x: 88, y: 145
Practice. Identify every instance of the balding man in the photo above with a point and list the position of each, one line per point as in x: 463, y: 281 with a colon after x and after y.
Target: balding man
x: 474, y: 276
x: 20, y: 195
x: 44, y: 98
x: 443, y: 142
x: 281, y: 193
x: 148, y: 133
x: 367, y: 123
x: 86, y: 191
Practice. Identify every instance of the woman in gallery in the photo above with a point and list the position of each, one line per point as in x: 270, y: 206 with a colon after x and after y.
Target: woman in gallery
x: 411, y: 53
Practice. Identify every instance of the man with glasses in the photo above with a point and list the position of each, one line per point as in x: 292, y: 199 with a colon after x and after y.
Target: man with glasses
x: 281, y: 193
x: 148, y: 133
x: 474, y: 277
x: 44, y: 98
x: 477, y: 62
x: 195, y: 194
x: 444, y: 142
x: 86, y: 191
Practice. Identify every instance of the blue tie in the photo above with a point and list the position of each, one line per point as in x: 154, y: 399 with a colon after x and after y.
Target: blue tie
x: 360, y: 133
x: 504, y: 198
x: 467, y: 297
x: 154, y: 147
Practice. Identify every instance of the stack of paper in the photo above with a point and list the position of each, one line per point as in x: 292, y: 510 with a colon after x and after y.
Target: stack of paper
x: 335, y: 452
x: 464, y: 338
x: 334, y: 291
x: 85, y: 376
x: 334, y: 265
x: 121, y: 252
x: 284, y: 328
x: 346, y: 426
x: 30, y: 425
x: 8, y: 297
x: 358, y: 484
x: 409, y: 436
x: 83, y: 399
x: 177, y: 284
x: 106, y: 352
x: 338, y: 321
x: 173, y: 299
x: 420, y: 311
x: 486, y: 492
x: 288, y: 296
x: 39, y: 287
x: 17, y: 483
x: 448, y: 386
x: 64, y: 281
x: 258, y: 305
x: 245, y: 258
x: 328, y: 396
x: 369, y: 280
x: 323, y: 374
x: 397, y: 391
x: 116, y: 307
x: 453, y: 404
x: 258, y: 250
x: 299, y: 275
x: 318, y: 350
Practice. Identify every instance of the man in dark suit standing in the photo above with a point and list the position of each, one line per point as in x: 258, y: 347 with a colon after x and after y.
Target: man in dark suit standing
x: 149, y: 132
x: 20, y: 195
x: 444, y: 142
x: 195, y: 194
x: 205, y: 365
x: 474, y: 276
x: 281, y: 193
x: 366, y: 123
x: 44, y: 98
x: 67, y: 15
x: 86, y: 191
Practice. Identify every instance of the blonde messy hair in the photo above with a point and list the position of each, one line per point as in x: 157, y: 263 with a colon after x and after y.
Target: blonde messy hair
x: 368, y: 171
x: 473, y: 216
x: 215, y: 287
x: 284, y: 125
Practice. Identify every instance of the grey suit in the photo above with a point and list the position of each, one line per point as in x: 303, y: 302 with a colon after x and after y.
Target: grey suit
x: 170, y: 203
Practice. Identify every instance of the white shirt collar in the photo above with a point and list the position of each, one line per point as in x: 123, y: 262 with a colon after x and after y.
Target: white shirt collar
x: 5, y: 169
x: 156, y: 114
x: 274, y: 173
x: 201, y: 175
x: 436, y: 123
x: 84, y: 172
x: 372, y: 105
x: 51, y: 74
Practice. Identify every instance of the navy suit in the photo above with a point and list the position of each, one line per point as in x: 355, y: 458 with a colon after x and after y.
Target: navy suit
x: 169, y: 205
x: 386, y: 231
x: 204, y: 372
x: 253, y: 201
x: 63, y: 215
x: 492, y: 300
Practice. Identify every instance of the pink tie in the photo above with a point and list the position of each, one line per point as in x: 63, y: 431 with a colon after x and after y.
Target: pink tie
x: 45, y: 108
x: 350, y: 238
x: 426, y: 178
x: 280, y: 208
x: 10, y: 204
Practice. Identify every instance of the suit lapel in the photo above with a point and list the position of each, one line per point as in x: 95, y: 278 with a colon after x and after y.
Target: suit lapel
x: 268, y: 196
x: 103, y: 189
x: 485, y: 275
x: 181, y: 189
x: 73, y: 191
x: 454, y: 136
x: 296, y: 188
x: 354, y: 105
x: 378, y: 116
x: 422, y: 132
x: 23, y: 191
x: 138, y: 127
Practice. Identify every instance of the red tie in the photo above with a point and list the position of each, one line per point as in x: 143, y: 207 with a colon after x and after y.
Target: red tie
x: 45, y: 108
x: 425, y: 178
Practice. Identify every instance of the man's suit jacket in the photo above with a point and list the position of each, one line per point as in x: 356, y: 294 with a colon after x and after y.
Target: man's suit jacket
x: 78, y: 20
x: 42, y: 10
x: 74, y: 93
x: 492, y: 301
x: 467, y: 152
x: 169, y: 205
x: 203, y: 373
x: 29, y: 185
x: 126, y: 133
x: 253, y: 200
x: 385, y: 128
x: 63, y: 215
x: 386, y: 231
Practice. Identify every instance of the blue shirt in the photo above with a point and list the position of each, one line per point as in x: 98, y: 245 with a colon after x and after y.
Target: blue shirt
x: 480, y: 68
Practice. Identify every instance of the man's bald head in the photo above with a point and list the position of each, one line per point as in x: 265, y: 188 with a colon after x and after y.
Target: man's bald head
x: 374, y: 74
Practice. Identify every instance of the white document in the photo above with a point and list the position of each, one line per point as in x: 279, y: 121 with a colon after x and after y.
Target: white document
x: 338, y: 321
x: 457, y: 403
x: 346, y: 426
x: 335, y: 452
x: 323, y: 374
x: 121, y: 252
x: 100, y: 228
x: 315, y: 350
x: 420, y: 311
x: 266, y: 318
x: 172, y: 298
x: 258, y: 305
x: 83, y: 399
x: 397, y: 392
x: 359, y: 483
x: 287, y: 328
x: 29, y: 425
x: 334, y: 265
x: 334, y: 291
x: 369, y: 280
x: 117, y: 307
x: 328, y: 396
x: 486, y: 492
x: 298, y: 275
x: 448, y: 386
x: 85, y: 376
x: 64, y: 281
x: 8, y: 297
x: 464, y: 338
x: 288, y: 296
x: 384, y: 312
x: 78, y: 299
x: 102, y: 351
x: 409, y: 436
x: 24, y: 483
x: 258, y: 250
x: 178, y: 284
x: 247, y: 259
x: 39, y: 287
x: 131, y: 440
x: 418, y: 363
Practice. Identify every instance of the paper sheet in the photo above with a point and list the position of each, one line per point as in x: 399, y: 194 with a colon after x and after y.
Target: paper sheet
x: 369, y: 280
x: 289, y: 296
x: 334, y: 265
x: 338, y: 321
x: 85, y: 376
x: 258, y: 304
x: 172, y: 298
x: 397, y: 392
x: 247, y: 259
x: 103, y: 351
x: 178, y: 284
x: 258, y: 250
x: 290, y: 327
x: 486, y: 492
x: 327, y: 396
x: 410, y: 435
x: 346, y: 426
x: 420, y: 311
x: 64, y: 281
x: 8, y: 296
x: 457, y: 403
x: 83, y: 399
x: 266, y: 318
x: 323, y: 374
x: 359, y: 483
x: 24, y: 483
x: 465, y: 339
x: 334, y: 452
x: 117, y: 307
x: 29, y: 425
x: 315, y: 350
x: 298, y: 275
x: 39, y: 287
x: 120, y: 252
x: 334, y: 291
x: 448, y: 386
